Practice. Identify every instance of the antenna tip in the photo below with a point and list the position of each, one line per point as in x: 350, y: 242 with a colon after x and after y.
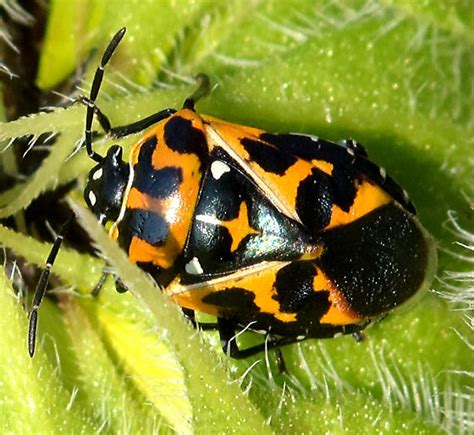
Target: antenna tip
x: 32, y: 332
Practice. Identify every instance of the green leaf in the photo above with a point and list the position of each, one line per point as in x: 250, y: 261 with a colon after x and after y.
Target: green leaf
x: 34, y: 398
x: 394, y: 74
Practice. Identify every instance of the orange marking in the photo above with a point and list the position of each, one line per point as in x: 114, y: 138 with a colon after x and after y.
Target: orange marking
x: 163, y: 255
x: 259, y: 283
x: 324, y: 166
x: 283, y: 187
x: 177, y: 209
x: 368, y: 197
x: 140, y: 200
x: 286, y: 187
x: 193, y: 300
x: 141, y: 251
x: 339, y: 313
x: 239, y: 227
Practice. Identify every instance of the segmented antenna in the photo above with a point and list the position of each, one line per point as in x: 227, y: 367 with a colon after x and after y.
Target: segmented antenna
x: 43, y: 285
x: 98, y: 76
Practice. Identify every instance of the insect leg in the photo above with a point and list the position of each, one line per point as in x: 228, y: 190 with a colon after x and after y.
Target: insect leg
x: 204, y: 87
x: 119, y: 285
x: 95, y: 292
x: 142, y: 124
x: 280, y: 361
x: 358, y: 336
x: 189, y: 314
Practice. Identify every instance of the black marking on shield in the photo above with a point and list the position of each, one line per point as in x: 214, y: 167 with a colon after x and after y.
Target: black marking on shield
x: 319, y: 191
x: 316, y: 195
x: 160, y: 183
x: 269, y: 158
x: 182, y: 137
x: 378, y: 261
x: 346, y: 166
x: 233, y: 302
x: 146, y: 225
x: 309, y: 148
x: 314, y: 201
x: 239, y: 305
x: 315, y: 306
x: 294, y: 284
x: 296, y: 294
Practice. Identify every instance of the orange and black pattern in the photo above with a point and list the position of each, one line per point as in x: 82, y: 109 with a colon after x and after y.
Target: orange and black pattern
x: 288, y: 233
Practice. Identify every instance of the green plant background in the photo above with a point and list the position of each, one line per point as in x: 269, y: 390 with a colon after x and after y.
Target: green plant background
x: 396, y: 75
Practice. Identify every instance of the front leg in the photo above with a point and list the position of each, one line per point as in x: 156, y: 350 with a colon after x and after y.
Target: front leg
x: 119, y: 285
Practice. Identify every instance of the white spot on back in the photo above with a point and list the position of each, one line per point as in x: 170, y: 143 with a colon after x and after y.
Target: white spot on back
x: 97, y: 174
x: 218, y: 169
x: 211, y: 220
x: 194, y: 267
x: 383, y: 173
x: 350, y: 151
x: 92, y: 198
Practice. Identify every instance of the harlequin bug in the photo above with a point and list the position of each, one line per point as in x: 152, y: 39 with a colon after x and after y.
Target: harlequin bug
x: 287, y: 234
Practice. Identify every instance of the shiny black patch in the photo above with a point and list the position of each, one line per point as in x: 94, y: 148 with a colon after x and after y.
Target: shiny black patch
x: 294, y: 284
x: 275, y: 236
x: 148, y: 226
x: 222, y: 198
x: 157, y: 184
x: 377, y: 261
x: 182, y: 137
x: 268, y: 157
x: 211, y: 244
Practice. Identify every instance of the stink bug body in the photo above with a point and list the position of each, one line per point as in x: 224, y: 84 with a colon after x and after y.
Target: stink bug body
x: 287, y: 234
